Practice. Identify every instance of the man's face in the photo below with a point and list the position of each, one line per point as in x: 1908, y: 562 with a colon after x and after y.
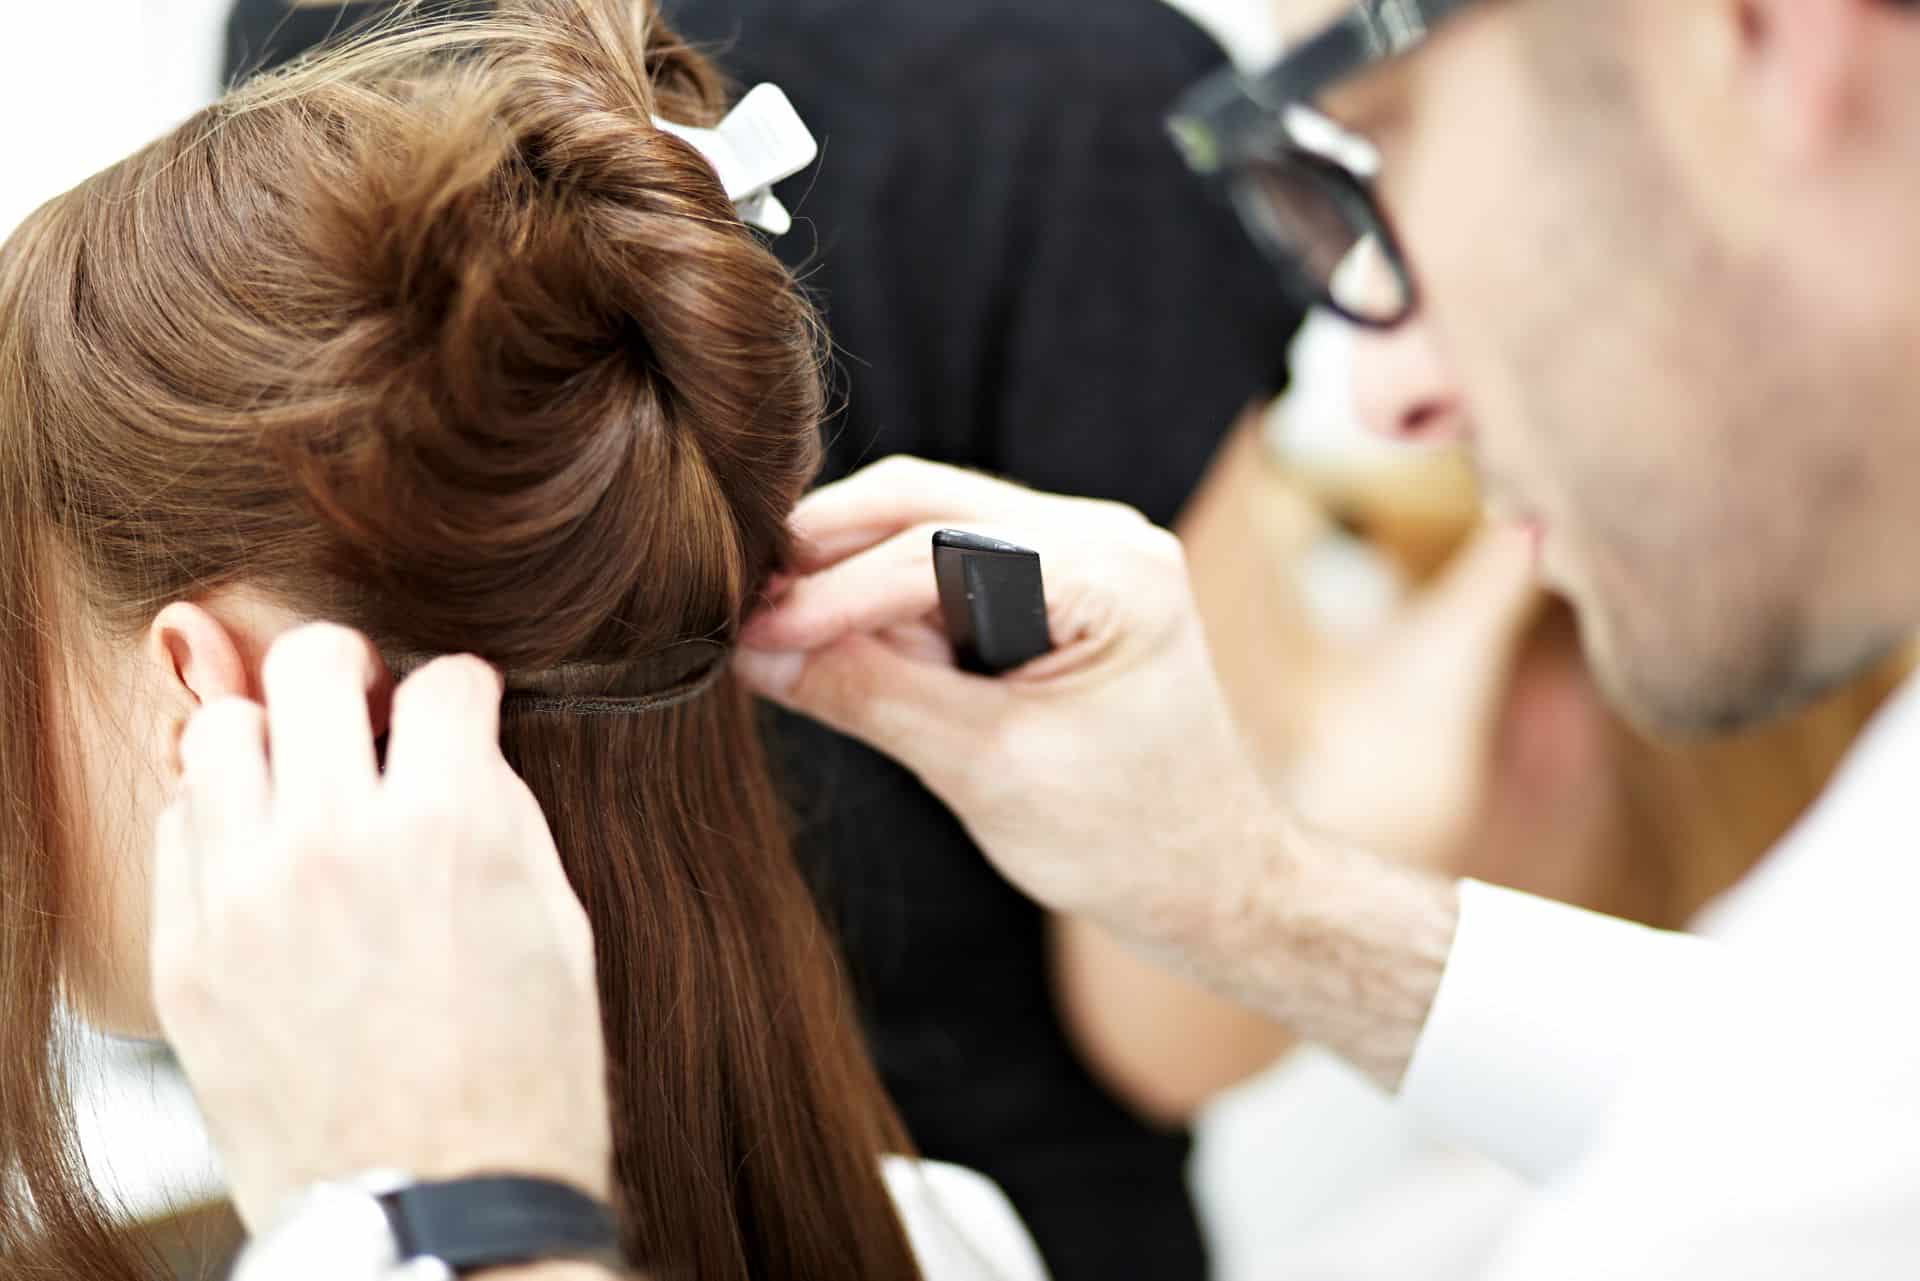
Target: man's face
x: 1665, y: 356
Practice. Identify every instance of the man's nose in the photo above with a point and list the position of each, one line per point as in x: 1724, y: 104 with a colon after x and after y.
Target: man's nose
x: 1401, y: 389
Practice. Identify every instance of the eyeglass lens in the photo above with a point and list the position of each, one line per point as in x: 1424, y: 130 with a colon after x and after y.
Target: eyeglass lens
x: 1317, y: 219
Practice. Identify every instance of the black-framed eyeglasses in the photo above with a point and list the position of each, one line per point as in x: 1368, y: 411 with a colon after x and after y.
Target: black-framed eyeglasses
x: 1302, y: 184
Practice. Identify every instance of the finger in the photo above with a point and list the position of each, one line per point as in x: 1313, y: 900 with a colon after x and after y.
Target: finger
x: 776, y: 586
x: 1467, y: 630
x: 530, y: 844
x: 445, y: 733
x: 1484, y: 600
x: 872, y: 505
x: 885, y: 585
x: 175, y: 893
x: 923, y: 641
x: 927, y: 716
x: 226, y: 792
x: 225, y: 781
x: 522, y: 815
x: 318, y: 681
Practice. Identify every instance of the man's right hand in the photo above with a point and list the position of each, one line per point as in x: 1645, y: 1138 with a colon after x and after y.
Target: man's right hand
x: 1107, y: 780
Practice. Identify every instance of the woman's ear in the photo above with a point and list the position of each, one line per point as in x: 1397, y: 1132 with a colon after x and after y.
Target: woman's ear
x: 193, y: 659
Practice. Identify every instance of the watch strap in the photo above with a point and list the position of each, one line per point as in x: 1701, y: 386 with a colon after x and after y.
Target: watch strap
x: 500, y: 1220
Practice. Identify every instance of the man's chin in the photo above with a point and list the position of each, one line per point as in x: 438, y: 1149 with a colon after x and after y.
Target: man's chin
x: 1668, y: 697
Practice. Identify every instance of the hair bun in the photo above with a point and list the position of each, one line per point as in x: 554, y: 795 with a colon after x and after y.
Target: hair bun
x: 555, y: 364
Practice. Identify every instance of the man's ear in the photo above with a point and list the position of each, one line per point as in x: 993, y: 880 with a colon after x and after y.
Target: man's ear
x: 1806, y: 63
x: 194, y: 659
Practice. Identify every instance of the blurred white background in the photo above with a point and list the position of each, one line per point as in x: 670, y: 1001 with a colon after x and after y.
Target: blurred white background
x: 83, y: 84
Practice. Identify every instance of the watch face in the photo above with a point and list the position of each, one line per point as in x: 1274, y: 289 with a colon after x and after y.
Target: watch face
x: 331, y: 1233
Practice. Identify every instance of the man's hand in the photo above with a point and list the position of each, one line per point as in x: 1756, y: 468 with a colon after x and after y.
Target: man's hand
x: 1107, y: 780
x: 364, y: 970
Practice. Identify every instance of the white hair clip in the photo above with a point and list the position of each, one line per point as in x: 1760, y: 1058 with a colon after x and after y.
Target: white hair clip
x: 761, y: 142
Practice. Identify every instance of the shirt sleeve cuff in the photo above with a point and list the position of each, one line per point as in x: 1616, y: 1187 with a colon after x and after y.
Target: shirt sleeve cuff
x: 1541, y: 1012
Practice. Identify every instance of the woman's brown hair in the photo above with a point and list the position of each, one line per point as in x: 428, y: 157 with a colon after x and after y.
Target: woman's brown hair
x: 440, y: 338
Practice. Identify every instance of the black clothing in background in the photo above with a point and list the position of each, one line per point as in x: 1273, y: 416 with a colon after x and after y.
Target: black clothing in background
x: 1019, y: 276
x: 1019, y: 272
x: 265, y: 34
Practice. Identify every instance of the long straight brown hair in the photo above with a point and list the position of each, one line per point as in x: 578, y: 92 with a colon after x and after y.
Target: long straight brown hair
x: 439, y: 337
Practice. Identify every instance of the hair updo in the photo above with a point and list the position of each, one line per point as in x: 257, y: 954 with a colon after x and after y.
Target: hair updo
x: 440, y: 337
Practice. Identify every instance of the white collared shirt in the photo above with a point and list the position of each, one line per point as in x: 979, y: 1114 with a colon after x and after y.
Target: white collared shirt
x: 1747, y: 1107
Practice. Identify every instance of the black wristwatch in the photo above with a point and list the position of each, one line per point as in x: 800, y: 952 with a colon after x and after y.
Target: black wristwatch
x: 385, y: 1226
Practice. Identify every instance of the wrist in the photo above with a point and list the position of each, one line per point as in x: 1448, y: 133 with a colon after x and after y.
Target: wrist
x: 387, y: 1224
x: 1213, y: 906
x: 1340, y: 946
x: 1215, y: 876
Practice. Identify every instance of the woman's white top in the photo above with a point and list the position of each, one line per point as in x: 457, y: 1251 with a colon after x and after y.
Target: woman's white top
x: 148, y: 1153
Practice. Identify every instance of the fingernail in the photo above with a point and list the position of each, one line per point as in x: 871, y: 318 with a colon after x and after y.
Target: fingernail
x: 769, y: 672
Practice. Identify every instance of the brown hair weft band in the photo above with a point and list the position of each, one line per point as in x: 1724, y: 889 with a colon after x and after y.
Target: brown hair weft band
x: 618, y: 689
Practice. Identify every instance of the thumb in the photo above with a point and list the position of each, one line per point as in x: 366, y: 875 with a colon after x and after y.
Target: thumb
x: 925, y: 715
x: 1469, y: 626
x: 1429, y: 698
